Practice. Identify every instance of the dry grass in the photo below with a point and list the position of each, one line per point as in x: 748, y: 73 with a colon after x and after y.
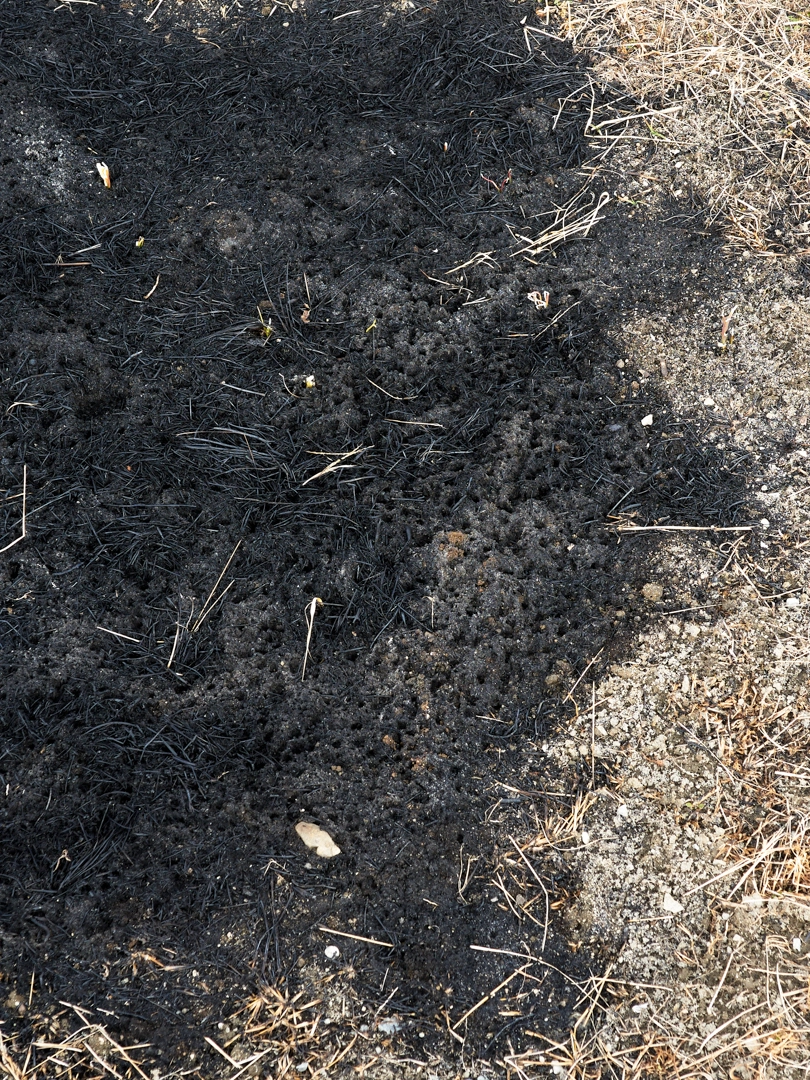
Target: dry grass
x: 638, y: 1055
x: 760, y: 740
x: 562, y: 825
x: 764, y: 744
x: 87, y: 1053
x: 740, y: 72
x: 287, y: 1033
x: 273, y: 1034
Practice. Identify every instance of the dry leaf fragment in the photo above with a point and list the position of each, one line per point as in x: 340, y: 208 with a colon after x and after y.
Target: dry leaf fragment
x: 104, y: 172
x: 317, y: 839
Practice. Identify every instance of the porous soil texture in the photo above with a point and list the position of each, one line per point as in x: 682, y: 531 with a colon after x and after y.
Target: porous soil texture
x: 283, y: 379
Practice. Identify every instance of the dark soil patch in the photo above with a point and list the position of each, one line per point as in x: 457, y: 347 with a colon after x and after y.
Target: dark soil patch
x: 327, y: 174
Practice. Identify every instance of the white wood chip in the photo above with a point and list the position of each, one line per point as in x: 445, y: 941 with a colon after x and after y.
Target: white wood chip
x: 317, y: 839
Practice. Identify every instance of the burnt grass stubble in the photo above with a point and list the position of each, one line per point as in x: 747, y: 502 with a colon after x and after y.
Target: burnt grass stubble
x: 314, y: 149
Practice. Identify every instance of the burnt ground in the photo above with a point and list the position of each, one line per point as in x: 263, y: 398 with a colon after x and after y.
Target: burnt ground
x: 305, y: 187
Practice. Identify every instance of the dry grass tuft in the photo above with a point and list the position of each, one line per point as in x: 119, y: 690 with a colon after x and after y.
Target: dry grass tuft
x: 562, y: 825
x: 741, y: 72
x: 273, y: 1034
x: 285, y: 1027
x: 87, y: 1053
x: 764, y: 743
x: 637, y: 1055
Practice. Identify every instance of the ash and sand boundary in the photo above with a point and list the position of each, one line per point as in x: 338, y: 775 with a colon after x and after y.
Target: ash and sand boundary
x: 557, y: 722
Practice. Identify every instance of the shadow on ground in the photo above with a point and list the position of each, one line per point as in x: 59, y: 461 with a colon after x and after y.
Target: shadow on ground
x: 268, y: 292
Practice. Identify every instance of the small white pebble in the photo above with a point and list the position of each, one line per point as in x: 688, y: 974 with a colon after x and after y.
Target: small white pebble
x: 793, y: 602
x: 586, y: 838
x: 623, y: 811
x: 708, y: 402
x: 765, y: 523
x: 331, y: 952
x: 797, y: 944
x: 647, y: 420
x: 670, y: 904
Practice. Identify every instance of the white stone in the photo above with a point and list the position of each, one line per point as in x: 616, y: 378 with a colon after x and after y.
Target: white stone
x: 669, y: 903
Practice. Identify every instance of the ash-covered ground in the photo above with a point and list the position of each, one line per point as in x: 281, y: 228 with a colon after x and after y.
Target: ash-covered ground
x: 290, y: 353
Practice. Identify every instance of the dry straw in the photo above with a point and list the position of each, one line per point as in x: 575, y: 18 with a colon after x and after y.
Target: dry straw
x: 740, y: 71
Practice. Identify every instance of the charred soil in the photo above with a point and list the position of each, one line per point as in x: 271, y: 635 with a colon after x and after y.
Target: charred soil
x: 290, y: 354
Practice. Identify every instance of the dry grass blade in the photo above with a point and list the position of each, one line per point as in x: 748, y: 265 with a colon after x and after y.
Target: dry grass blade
x: 209, y: 604
x: 475, y: 260
x: 13, y: 1070
x: 338, y: 463
x: 573, y: 219
x: 562, y: 826
x: 23, y: 524
x: 311, y: 608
